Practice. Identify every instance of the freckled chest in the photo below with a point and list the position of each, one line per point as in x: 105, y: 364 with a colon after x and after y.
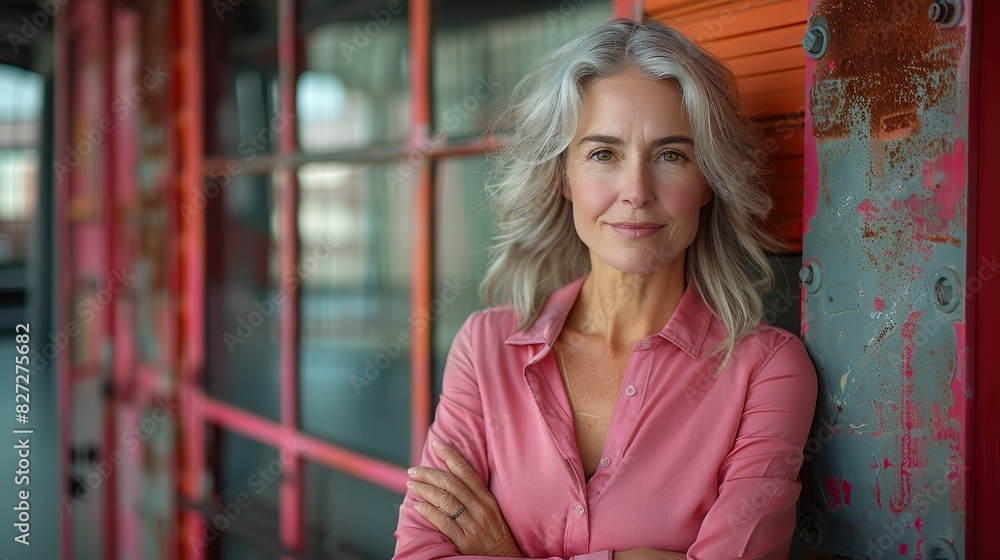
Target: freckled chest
x: 592, y: 380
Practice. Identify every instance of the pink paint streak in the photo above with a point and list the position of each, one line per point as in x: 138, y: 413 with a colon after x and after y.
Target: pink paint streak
x: 878, y: 493
x: 879, y: 304
x: 951, y: 190
x: 881, y: 421
x: 919, y: 525
x: 838, y: 492
x: 868, y: 209
x: 959, y: 411
x: 909, y: 418
x: 902, y: 548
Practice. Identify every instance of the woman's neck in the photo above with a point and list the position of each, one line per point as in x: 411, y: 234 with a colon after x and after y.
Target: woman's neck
x: 621, y: 308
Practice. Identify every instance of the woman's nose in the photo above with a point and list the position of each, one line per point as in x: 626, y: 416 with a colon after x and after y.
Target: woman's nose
x: 637, y: 186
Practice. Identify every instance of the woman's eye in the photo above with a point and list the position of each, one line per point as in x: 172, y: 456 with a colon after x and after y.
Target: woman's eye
x: 602, y: 156
x: 671, y: 156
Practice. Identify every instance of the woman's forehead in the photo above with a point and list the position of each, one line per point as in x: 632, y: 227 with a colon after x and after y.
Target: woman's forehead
x: 628, y: 101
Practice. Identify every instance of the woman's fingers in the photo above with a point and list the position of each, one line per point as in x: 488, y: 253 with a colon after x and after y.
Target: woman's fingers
x: 444, y: 523
x: 461, y: 469
x: 436, y: 496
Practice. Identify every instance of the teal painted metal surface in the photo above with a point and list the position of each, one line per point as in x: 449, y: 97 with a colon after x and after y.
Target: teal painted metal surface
x: 885, y: 254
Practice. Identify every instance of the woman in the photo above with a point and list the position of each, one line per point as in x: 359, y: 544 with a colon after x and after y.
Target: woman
x: 627, y: 401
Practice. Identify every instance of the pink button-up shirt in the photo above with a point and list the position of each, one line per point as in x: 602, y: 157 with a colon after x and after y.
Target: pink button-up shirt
x: 692, y: 462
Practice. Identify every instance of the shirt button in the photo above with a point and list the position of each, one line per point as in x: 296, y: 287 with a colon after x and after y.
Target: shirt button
x: 630, y: 391
x: 646, y: 343
x: 579, y: 510
x: 605, y: 462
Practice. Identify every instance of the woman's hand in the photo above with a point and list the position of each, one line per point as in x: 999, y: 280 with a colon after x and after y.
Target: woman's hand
x: 648, y: 554
x: 461, y: 507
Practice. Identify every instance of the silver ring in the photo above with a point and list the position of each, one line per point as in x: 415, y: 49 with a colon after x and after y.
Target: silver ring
x: 457, y: 513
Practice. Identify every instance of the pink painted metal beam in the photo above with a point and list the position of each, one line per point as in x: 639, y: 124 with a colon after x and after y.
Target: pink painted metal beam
x: 423, y: 204
x: 107, y: 188
x: 983, y: 493
x: 189, y: 151
x: 291, y: 509
x: 324, y: 453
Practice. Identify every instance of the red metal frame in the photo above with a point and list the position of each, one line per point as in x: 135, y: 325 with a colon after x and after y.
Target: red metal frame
x: 108, y: 200
x: 189, y: 151
x: 292, y: 522
x: 983, y: 310
x: 134, y: 382
x: 420, y: 357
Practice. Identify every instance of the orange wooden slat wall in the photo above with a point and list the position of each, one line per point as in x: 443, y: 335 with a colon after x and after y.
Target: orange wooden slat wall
x: 760, y: 40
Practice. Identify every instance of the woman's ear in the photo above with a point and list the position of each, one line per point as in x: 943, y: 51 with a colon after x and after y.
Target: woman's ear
x: 707, y: 197
x: 563, y: 180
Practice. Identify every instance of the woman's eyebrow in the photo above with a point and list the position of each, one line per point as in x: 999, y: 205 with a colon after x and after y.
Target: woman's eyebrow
x: 605, y: 139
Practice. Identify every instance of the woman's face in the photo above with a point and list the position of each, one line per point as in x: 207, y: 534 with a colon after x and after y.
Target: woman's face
x: 631, y: 174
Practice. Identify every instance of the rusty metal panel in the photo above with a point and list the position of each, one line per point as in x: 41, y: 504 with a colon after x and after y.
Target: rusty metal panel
x: 884, y: 278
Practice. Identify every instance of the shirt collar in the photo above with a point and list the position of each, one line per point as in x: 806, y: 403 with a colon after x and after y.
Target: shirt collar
x: 687, y: 328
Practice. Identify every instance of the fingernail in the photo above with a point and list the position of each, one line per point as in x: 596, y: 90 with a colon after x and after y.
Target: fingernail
x: 437, y: 444
x: 410, y: 484
x: 411, y: 471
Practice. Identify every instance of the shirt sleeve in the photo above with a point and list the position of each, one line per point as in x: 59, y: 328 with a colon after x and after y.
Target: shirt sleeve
x: 459, y: 422
x: 754, y: 515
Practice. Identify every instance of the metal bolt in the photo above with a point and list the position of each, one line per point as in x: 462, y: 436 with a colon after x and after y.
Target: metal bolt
x: 945, y: 12
x: 946, y: 290
x: 943, y: 291
x: 806, y: 274
x: 941, y: 548
x: 815, y: 41
x: 811, y: 275
x: 809, y: 530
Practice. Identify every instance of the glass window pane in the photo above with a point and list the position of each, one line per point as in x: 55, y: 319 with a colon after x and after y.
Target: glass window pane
x: 354, y: 88
x: 348, y: 518
x: 461, y: 249
x: 242, y: 314
x: 482, y: 49
x: 241, y: 69
x: 246, y: 515
x: 355, y: 232
x: 21, y: 94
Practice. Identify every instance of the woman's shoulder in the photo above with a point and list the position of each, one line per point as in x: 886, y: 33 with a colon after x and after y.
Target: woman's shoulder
x: 775, y: 347
x: 490, y: 323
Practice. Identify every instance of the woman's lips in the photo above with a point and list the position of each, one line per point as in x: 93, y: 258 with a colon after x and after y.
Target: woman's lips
x: 636, y: 229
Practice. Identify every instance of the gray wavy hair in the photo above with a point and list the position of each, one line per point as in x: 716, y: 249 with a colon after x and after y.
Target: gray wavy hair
x: 536, y: 249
